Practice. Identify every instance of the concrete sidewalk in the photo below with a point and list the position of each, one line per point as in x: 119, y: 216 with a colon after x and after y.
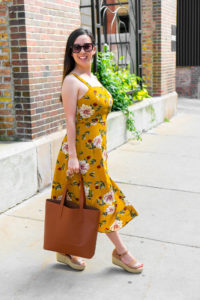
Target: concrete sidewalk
x: 161, y: 176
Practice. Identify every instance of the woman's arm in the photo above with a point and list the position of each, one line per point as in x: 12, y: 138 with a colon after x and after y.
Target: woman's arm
x: 69, y: 97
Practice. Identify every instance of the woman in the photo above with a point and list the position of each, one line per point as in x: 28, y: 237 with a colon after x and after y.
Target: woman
x: 86, y: 104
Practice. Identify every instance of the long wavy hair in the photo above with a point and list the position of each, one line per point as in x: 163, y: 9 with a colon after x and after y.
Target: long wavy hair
x: 69, y: 62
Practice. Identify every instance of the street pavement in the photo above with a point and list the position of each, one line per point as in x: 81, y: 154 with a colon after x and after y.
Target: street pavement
x: 160, y: 175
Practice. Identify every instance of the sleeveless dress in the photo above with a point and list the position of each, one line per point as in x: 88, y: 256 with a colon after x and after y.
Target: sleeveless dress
x: 100, y: 190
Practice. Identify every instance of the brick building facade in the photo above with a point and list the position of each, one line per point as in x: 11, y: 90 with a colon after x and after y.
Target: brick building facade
x: 159, y: 61
x: 33, y: 38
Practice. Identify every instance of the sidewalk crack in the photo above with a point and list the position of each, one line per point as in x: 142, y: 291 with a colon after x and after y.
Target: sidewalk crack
x: 21, y: 217
x: 161, y: 241
x: 157, y: 187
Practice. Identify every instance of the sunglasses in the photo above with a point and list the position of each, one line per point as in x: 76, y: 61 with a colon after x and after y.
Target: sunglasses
x: 87, y: 47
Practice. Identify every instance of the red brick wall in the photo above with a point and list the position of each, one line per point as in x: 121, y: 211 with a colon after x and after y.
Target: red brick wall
x: 37, y: 46
x: 159, y: 62
x: 168, y: 78
x: 7, y: 110
x: 147, y: 43
x: 188, y: 82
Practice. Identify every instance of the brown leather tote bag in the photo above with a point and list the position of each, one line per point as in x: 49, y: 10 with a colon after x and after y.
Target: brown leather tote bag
x: 70, y: 228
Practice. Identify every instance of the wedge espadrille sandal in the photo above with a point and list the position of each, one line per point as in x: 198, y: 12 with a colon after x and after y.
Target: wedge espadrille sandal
x: 116, y: 259
x: 73, y: 262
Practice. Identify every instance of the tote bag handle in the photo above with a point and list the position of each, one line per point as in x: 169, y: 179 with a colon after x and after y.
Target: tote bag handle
x: 81, y: 198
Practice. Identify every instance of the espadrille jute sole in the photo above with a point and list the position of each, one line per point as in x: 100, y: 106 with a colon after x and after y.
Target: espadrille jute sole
x: 125, y: 267
x: 66, y: 260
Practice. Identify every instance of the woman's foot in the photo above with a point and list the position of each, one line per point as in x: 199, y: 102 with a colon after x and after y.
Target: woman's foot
x: 130, y: 260
x: 74, y: 262
x: 77, y: 260
x: 126, y: 261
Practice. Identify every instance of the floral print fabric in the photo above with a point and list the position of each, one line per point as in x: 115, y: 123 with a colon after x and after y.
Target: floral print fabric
x: 100, y: 190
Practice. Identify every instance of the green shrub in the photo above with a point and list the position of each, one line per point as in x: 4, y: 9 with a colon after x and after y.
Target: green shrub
x: 118, y: 82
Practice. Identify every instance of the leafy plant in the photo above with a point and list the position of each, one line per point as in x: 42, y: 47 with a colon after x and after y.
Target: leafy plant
x: 118, y: 82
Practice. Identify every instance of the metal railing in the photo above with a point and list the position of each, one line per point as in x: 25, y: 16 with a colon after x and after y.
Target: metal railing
x: 118, y: 24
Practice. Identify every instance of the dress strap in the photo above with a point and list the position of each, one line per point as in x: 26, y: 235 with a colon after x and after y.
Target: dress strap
x: 81, y: 79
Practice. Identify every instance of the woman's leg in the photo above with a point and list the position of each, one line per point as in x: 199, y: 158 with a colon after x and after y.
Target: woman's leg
x: 121, y: 248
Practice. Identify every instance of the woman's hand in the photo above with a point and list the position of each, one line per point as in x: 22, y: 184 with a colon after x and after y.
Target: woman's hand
x: 73, y: 165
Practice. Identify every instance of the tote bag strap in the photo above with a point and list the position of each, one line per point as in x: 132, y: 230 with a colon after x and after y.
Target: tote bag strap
x: 82, y: 195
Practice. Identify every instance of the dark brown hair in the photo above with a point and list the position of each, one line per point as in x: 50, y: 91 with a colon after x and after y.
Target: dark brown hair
x: 69, y: 62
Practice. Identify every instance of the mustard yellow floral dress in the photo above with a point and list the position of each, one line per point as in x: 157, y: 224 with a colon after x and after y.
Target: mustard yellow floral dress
x: 100, y: 190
